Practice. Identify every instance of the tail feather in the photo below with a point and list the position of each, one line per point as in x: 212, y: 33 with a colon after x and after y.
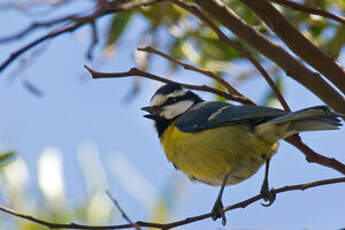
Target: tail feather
x: 314, y: 124
x: 310, y: 119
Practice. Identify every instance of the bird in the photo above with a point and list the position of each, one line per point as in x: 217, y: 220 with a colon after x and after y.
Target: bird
x: 220, y: 144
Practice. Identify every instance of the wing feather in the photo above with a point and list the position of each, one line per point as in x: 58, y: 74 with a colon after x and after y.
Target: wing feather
x: 208, y: 115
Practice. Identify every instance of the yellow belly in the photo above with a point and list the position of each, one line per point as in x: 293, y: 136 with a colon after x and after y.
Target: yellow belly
x: 207, y: 156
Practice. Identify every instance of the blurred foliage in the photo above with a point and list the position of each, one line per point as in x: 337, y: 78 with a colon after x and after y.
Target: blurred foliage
x: 6, y: 158
x: 117, y: 26
x: 93, y: 208
x: 192, y: 41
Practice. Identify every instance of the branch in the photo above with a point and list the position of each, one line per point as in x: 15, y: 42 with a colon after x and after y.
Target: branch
x: 166, y: 226
x: 123, y: 213
x: 36, y: 42
x: 313, y: 157
x: 56, y: 225
x: 206, y: 72
x: 300, y: 187
x: 194, y: 10
x: 310, y: 10
x: 137, y: 72
x: 36, y: 25
x: 78, y: 22
x: 298, y: 43
x: 273, y: 51
x: 94, y: 40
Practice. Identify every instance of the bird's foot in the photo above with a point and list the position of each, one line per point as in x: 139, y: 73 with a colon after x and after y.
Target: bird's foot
x: 218, y: 211
x: 267, y: 195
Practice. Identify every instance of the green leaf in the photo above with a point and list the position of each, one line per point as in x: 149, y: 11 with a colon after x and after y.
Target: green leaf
x: 6, y: 158
x: 117, y: 26
x: 216, y: 50
x: 270, y: 98
x: 221, y: 88
x: 164, y: 13
x: 175, y: 49
x: 335, y: 44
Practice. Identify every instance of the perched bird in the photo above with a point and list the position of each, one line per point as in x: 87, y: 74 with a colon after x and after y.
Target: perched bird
x: 220, y: 144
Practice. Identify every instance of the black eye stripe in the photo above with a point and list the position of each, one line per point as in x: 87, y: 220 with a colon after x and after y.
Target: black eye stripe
x: 172, y: 100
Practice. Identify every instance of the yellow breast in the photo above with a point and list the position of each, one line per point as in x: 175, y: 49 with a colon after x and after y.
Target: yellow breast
x: 208, y: 155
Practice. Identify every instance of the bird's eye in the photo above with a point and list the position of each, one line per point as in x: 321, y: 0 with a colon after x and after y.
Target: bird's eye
x: 171, y: 100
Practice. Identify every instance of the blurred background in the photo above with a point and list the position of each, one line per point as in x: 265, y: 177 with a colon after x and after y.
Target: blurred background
x: 66, y: 139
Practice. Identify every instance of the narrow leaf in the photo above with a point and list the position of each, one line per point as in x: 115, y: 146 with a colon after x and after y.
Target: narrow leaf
x: 6, y: 158
x: 117, y: 26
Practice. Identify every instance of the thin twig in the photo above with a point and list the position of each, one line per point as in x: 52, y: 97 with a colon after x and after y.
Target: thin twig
x: 313, y: 157
x: 137, y: 72
x: 186, y: 66
x: 310, y: 10
x: 34, y: 43
x: 57, y: 225
x: 123, y: 213
x: 94, y: 40
x: 194, y: 10
x: 166, y: 226
x: 24, y: 6
x: 37, y: 25
x: 78, y: 22
x: 300, y: 187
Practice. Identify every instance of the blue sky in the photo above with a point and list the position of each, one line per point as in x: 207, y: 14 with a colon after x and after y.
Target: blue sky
x: 75, y: 111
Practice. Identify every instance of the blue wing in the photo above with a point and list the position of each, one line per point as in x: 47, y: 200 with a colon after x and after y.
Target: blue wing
x: 208, y: 115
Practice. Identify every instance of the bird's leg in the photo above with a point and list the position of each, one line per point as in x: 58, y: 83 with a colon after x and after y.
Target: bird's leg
x: 267, y: 194
x: 217, y: 211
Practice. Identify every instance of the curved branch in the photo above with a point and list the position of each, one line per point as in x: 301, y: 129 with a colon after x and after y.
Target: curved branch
x: 313, y: 157
x: 300, y: 45
x: 78, y: 22
x: 36, y: 42
x: 273, y: 51
x: 123, y: 213
x: 310, y: 10
x: 206, y: 72
x: 166, y: 226
x: 94, y: 41
x: 194, y: 10
x: 36, y: 25
x: 137, y: 72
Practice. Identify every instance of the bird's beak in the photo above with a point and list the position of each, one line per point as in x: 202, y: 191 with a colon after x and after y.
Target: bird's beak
x: 153, y: 110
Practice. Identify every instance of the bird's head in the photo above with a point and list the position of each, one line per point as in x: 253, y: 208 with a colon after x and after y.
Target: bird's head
x: 170, y: 101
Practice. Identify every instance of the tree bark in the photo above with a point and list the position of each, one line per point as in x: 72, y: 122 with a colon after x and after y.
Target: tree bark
x: 293, y: 68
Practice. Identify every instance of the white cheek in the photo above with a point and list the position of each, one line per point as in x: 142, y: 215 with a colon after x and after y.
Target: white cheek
x: 158, y: 100
x: 177, y: 109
